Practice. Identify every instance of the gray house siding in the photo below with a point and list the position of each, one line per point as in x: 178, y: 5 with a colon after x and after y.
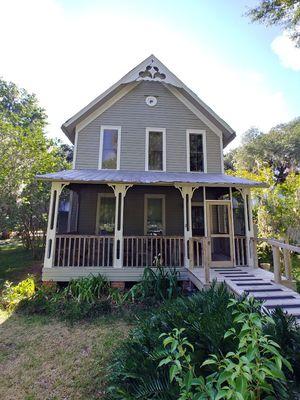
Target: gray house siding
x: 133, y: 115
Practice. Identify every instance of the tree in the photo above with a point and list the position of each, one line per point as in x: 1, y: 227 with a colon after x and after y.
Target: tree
x: 20, y: 108
x: 274, y: 158
x: 25, y: 151
x: 279, y: 150
x: 279, y: 12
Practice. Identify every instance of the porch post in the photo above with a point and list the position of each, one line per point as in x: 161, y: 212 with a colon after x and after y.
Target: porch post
x: 187, y: 194
x: 120, y: 191
x: 56, y: 189
x: 249, y: 231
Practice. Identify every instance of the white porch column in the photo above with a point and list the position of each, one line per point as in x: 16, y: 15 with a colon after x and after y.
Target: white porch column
x: 56, y: 189
x: 249, y: 230
x: 120, y: 191
x: 187, y: 194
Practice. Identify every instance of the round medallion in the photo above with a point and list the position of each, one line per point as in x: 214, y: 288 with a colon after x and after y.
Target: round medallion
x: 151, y: 101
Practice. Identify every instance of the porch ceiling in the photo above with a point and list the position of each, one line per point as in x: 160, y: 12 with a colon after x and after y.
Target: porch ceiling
x: 147, y: 177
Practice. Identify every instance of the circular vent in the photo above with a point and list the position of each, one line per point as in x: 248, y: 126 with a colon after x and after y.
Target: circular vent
x: 151, y: 101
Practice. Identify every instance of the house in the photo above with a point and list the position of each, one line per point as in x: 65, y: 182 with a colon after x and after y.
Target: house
x: 147, y: 180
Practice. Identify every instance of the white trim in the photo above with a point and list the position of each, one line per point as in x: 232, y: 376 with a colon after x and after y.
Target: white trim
x: 104, y: 195
x: 194, y: 110
x: 196, y: 132
x: 163, y: 131
x: 155, y: 196
x: 75, y: 149
x: 132, y: 77
x: 222, y: 154
x: 102, y: 129
x: 82, y: 124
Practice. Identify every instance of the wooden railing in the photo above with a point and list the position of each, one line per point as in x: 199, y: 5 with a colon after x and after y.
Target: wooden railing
x: 140, y: 251
x: 240, y: 251
x: 281, y: 255
x: 83, y: 251
x: 198, y: 255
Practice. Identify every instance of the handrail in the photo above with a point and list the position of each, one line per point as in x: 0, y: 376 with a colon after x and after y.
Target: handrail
x: 286, y: 250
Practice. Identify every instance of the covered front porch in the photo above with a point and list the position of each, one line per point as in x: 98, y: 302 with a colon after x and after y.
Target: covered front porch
x: 119, y: 228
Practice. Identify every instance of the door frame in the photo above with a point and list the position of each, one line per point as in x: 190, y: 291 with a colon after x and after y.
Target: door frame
x: 230, y: 263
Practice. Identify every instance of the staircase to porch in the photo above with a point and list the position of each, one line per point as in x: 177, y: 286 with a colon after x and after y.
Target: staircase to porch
x: 254, y: 282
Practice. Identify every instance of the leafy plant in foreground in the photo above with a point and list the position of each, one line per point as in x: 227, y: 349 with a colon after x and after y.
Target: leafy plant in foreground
x: 12, y: 294
x: 248, y: 373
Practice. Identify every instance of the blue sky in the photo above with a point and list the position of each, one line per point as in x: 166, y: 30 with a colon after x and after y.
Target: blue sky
x: 247, y: 73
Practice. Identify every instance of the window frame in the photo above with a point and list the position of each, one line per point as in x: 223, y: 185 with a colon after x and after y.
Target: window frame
x: 155, y: 196
x: 102, y: 129
x: 188, y: 150
x: 103, y: 195
x: 164, y: 155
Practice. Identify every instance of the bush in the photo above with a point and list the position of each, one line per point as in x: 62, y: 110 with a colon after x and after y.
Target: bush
x: 12, y: 294
x: 205, y: 318
x: 157, y: 285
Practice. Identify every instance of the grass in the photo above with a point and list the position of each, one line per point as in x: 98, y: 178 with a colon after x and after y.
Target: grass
x: 16, y: 262
x: 44, y: 359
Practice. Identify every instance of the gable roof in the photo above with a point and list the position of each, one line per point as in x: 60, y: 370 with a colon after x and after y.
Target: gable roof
x: 151, y: 69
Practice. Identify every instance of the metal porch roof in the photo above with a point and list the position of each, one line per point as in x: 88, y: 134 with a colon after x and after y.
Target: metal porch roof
x: 96, y: 176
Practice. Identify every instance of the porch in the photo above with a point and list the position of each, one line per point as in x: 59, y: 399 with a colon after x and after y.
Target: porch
x: 125, y: 226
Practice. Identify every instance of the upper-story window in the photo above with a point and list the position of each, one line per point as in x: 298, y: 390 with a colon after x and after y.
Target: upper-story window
x: 196, y: 150
x: 110, y: 139
x: 155, y: 149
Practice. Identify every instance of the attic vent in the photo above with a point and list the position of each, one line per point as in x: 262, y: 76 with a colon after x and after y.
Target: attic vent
x: 152, y: 73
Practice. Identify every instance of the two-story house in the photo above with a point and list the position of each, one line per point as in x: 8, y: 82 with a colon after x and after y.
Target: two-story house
x: 148, y: 179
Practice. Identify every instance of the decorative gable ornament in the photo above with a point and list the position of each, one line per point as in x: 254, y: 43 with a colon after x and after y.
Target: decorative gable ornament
x: 151, y: 73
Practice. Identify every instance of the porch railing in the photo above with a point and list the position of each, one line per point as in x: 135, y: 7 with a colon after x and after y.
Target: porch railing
x: 240, y: 251
x: 281, y: 252
x: 83, y: 251
x: 140, y: 251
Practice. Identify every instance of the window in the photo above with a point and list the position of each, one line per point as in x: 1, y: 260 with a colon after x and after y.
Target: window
x: 105, y: 222
x: 154, y: 215
x: 196, y: 152
x: 155, y: 149
x: 110, y: 147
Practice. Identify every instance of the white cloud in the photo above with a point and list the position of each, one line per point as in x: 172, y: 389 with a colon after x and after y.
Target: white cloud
x: 288, y: 54
x: 67, y: 59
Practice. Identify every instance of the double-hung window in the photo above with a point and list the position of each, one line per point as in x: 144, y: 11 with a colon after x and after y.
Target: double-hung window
x: 110, y: 139
x: 105, y: 221
x: 196, y: 150
x: 155, y: 149
x: 154, y: 214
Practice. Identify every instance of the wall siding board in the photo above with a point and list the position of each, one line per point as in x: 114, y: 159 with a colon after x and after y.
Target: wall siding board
x: 133, y: 115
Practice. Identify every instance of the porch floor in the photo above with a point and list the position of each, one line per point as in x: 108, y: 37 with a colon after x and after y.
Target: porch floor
x: 254, y: 282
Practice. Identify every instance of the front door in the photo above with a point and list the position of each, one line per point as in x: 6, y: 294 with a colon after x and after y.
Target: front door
x: 219, y: 229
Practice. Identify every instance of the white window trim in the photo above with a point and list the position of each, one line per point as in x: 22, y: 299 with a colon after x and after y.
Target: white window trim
x: 101, y: 195
x: 196, y: 132
x: 163, y: 131
x: 118, y: 128
x: 155, y: 196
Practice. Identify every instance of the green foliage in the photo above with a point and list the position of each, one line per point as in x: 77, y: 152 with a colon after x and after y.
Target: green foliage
x: 274, y: 158
x: 88, y: 289
x: 252, y: 372
x: 205, y: 318
x: 157, y: 285
x: 279, y: 12
x: 25, y: 152
x: 11, y: 294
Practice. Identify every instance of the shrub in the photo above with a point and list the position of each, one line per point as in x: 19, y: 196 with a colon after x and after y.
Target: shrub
x: 205, y: 318
x: 252, y: 372
x: 12, y: 294
x: 157, y: 285
x: 88, y: 289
